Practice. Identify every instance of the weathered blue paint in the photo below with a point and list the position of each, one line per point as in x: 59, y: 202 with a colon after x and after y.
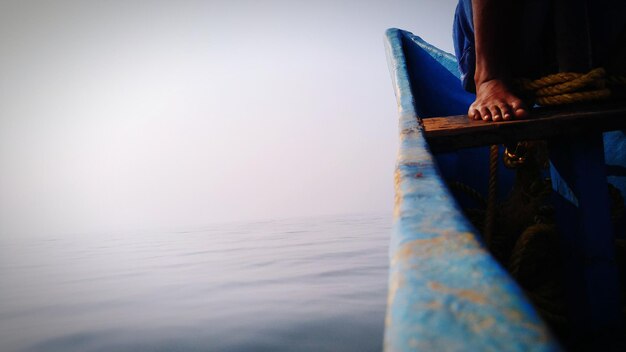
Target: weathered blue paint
x: 446, y: 292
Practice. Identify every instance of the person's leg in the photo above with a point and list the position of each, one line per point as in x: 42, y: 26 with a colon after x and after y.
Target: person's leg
x: 494, y: 47
x: 531, y: 34
x: 573, y: 42
x: 534, y: 37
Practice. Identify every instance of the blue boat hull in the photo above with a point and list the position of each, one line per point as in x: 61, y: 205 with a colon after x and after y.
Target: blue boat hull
x: 446, y: 292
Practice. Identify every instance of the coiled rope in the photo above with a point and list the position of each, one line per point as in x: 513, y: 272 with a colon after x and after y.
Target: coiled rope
x: 569, y: 87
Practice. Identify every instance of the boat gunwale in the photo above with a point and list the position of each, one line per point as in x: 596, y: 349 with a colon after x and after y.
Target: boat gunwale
x: 446, y: 292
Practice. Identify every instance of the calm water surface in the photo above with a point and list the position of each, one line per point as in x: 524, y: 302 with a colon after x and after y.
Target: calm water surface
x: 316, y: 284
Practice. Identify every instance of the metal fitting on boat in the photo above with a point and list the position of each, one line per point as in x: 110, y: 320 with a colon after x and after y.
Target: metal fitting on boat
x: 517, y: 157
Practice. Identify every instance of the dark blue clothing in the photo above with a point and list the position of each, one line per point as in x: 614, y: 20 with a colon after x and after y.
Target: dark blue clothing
x: 463, y: 36
x: 532, y: 28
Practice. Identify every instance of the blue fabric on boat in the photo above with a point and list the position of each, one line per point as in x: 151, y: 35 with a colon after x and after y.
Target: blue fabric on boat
x: 463, y: 35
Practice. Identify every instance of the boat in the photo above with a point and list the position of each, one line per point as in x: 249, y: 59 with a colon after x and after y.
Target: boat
x: 447, y: 292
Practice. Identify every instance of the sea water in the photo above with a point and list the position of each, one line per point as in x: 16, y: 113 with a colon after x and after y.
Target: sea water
x: 314, y: 284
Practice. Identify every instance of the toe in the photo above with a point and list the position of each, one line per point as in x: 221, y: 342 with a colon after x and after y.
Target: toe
x: 496, y: 113
x: 507, y: 114
x: 485, y: 114
x: 519, y: 110
x: 472, y: 113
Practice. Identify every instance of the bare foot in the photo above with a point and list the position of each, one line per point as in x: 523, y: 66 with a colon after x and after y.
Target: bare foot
x: 495, y: 102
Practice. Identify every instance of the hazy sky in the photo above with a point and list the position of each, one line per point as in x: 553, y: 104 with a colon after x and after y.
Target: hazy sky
x: 123, y: 115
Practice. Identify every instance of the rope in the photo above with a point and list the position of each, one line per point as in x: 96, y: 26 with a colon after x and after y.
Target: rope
x: 472, y: 193
x: 550, y: 309
x: 530, y: 242
x: 617, y: 80
x: 571, y: 98
x: 490, y: 216
x: 564, y: 82
x: 569, y: 87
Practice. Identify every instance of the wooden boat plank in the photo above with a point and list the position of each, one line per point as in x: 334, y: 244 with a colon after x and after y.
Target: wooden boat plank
x: 458, y: 132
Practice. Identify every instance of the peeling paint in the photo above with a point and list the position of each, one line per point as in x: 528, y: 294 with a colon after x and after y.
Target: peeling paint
x: 483, y: 325
x: 470, y: 295
x: 416, y: 247
x: 433, y: 305
x: 446, y: 292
